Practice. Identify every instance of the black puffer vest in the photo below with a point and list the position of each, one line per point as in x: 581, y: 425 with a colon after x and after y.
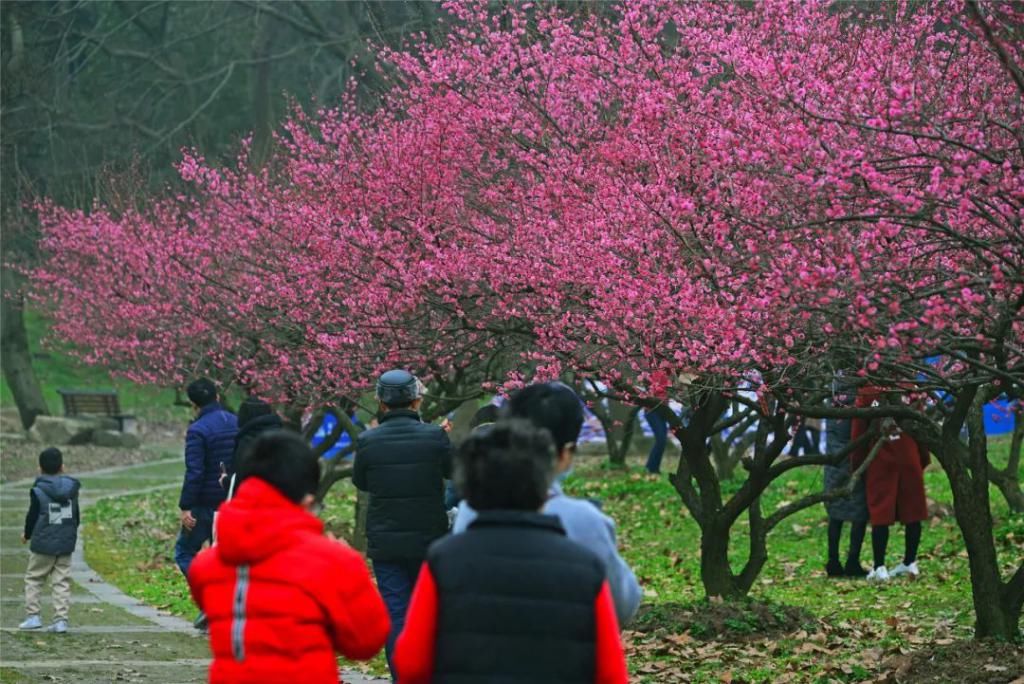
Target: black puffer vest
x: 56, y: 529
x: 516, y: 602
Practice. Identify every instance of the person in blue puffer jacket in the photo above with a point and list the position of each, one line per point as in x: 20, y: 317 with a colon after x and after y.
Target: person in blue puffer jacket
x: 209, y: 450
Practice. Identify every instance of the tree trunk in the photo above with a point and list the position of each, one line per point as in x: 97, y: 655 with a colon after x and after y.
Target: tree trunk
x: 1007, y: 480
x: 359, y: 533
x: 15, y: 353
x: 996, y: 605
x: 715, y: 571
x: 461, y: 419
x: 993, y: 618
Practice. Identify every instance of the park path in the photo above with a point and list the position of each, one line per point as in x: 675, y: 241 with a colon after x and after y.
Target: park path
x: 113, y: 637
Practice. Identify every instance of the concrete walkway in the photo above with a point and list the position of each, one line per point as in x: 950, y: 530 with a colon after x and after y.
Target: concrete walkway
x: 113, y: 637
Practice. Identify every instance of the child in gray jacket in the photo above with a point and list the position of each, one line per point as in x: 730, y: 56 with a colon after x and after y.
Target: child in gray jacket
x: 52, y: 527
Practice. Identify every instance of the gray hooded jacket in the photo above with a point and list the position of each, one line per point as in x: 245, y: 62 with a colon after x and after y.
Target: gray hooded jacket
x: 55, y: 530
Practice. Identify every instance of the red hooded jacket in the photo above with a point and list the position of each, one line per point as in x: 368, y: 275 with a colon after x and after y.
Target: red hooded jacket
x: 280, y: 597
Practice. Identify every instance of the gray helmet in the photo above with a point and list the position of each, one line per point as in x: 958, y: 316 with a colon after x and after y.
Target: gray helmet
x: 397, y: 387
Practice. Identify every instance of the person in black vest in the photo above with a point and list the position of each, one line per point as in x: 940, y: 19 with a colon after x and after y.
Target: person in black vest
x: 402, y: 464
x: 511, y: 599
x: 51, y: 526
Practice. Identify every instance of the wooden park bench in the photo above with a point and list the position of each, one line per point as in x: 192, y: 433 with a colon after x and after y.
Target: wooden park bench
x: 79, y: 402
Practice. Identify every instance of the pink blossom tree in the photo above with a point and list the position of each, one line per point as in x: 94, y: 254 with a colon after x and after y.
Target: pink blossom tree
x: 680, y: 200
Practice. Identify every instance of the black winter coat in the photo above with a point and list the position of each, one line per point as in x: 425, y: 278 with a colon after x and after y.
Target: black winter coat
x: 253, y: 429
x: 402, y: 465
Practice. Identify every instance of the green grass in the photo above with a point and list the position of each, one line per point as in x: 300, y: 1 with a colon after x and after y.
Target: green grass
x: 57, y: 368
x: 854, y: 628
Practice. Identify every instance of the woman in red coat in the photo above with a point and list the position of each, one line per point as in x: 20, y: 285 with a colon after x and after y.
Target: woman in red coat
x: 281, y: 597
x: 895, y: 490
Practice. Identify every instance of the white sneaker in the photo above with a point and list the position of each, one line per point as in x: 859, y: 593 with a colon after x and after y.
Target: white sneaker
x: 58, y: 627
x: 910, y: 571
x: 31, y: 622
x: 879, y: 574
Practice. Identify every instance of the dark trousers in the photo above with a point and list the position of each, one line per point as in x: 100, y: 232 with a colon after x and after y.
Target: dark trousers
x: 191, y: 541
x: 807, y: 439
x: 395, y: 580
x: 660, y: 429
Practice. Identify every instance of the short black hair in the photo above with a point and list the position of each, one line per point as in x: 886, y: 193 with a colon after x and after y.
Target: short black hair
x: 283, y: 460
x: 508, y: 465
x: 202, y: 392
x: 549, y: 405
x: 51, y: 460
x: 483, y: 416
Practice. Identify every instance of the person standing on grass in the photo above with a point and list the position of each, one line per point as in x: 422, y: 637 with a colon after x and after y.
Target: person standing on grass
x: 512, y: 599
x: 51, y: 525
x: 659, y: 428
x: 851, y: 509
x: 402, y: 465
x: 209, y: 451
x: 895, y: 488
x: 555, y: 407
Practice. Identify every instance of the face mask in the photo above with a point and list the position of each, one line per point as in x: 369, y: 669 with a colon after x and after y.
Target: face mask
x: 562, y: 477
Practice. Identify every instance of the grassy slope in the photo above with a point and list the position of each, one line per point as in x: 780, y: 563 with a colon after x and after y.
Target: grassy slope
x: 56, y: 368
x: 858, y: 628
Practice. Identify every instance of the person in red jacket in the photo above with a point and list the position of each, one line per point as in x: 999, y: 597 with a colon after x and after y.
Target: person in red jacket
x: 512, y: 598
x: 281, y: 598
x: 894, y: 481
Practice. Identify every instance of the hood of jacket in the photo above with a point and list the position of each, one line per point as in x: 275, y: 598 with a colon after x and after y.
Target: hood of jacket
x: 59, y: 488
x: 259, y: 522
x: 259, y: 425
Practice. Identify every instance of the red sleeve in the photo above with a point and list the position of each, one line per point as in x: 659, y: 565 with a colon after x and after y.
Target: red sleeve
x: 359, y: 619
x: 196, y: 570
x: 414, y: 652
x: 611, y: 660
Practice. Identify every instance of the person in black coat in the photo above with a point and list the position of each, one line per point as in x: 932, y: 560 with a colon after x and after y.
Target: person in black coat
x: 255, y: 417
x: 402, y: 464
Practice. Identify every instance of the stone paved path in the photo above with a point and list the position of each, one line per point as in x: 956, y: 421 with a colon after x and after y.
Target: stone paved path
x: 114, y: 638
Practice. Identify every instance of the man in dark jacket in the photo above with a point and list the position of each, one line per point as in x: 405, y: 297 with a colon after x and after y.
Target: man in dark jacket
x: 52, y: 528
x: 209, y: 448
x: 512, y: 599
x: 402, y: 464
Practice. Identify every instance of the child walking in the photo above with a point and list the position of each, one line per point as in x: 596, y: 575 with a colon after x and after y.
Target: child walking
x: 52, y: 527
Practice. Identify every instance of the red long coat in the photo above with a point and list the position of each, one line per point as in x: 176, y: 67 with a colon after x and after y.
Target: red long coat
x: 281, y: 598
x: 895, y: 478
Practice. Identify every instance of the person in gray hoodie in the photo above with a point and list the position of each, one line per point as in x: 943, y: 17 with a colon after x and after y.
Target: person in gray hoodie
x: 51, y: 526
x: 556, y: 408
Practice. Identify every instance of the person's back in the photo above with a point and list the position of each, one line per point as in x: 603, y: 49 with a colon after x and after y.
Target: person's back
x: 402, y: 464
x: 280, y: 597
x: 556, y: 408
x: 51, y: 529
x: 255, y: 418
x: 512, y: 599
x: 209, y: 450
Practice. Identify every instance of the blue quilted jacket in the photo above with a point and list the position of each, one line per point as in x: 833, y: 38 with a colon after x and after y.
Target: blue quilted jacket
x: 209, y: 442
